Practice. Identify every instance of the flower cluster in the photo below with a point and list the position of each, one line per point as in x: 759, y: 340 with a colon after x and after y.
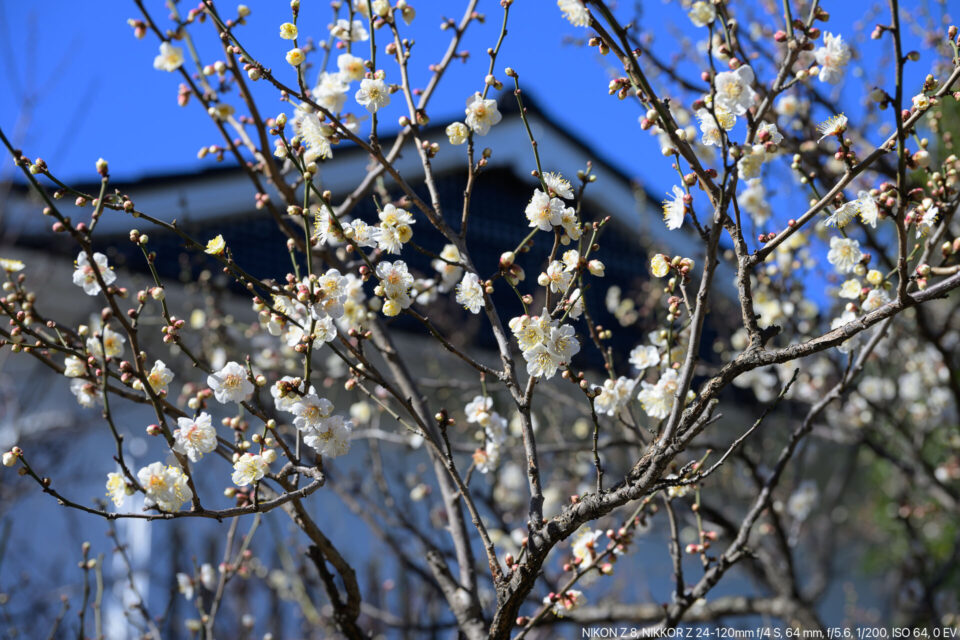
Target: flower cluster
x: 166, y: 487
x: 546, y: 210
x: 545, y: 342
x: 395, y: 285
x: 250, y: 468
x: 563, y: 603
x: 657, y: 399
x: 480, y: 411
x: 394, y: 229
x: 326, y: 433
x: 613, y: 395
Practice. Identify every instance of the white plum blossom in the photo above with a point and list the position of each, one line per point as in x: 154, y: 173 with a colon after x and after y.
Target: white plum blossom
x: 584, y: 547
x: 751, y: 162
x: 354, y: 304
x: 312, y: 133
x: 530, y: 330
x: 324, y: 330
x: 643, y: 357
x: 571, y: 259
x: 185, y: 585
x: 288, y: 31
x: 363, y: 234
x: 332, y: 289
x: 575, y: 304
x: 109, y: 343
x: 702, y: 13
x: 230, y: 384
x: 479, y: 410
x: 927, y: 220
x: 9, y: 265
x: 195, y: 436
x: 569, y: 600
x: 249, y: 468
x: 74, y: 367
x: 832, y: 57
x: 570, y: 224
x: 116, y: 488
x: 868, y: 209
x: 753, y: 200
x: 709, y: 125
x: 657, y: 399
x: 311, y: 411
x: 160, y: 376
x: 544, y: 212
x: 803, y: 500
x: 457, y: 133
x: 545, y: 343
x: 563, y: 342
x: 769, y: 131
x: 541, y: 362
x: 843, y: 214
x: 395, y: 284
x: 844, y: 254
x: 170, y: 57
x: 394, y: 229
x: 850, y: 289
x: 286, y: 394
x: 349, y: 31
x: 877, y: 389
x: 86, y: 274
x: 832, y: 126
x: 295, y: 57
x: 481, y: 114
x: 677, y: 490
x: 874, y: 300
x: 331, y: 92
x: 470, y: 293
x: 373, y: 94
x: 575, y: 12
x: 350, y: 67
x: 327, y: 434
x: 333, y: 440
x: 558, y: 185
x: 674, y: 209
x: 208, y: 576
x: 845, y: 318
x: 735, y: 90
x: 787, y: 106
x: 380, y: 7
x: 614, y: 395
x: 487, y: 458
x: 557, y: 277
x: 659, y: 265
x: 165, y: 486
x: 449, y: 273
x: 86, y: 393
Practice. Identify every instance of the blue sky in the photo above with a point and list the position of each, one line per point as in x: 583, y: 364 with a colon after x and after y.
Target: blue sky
x: 76, y: 85
x: 97, y: 93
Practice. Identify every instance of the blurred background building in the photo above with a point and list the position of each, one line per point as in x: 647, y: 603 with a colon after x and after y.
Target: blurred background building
x: 38, y: 412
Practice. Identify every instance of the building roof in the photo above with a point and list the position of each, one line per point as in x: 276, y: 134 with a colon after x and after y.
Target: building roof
x: 220, y: 200
x: 224, y: 191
